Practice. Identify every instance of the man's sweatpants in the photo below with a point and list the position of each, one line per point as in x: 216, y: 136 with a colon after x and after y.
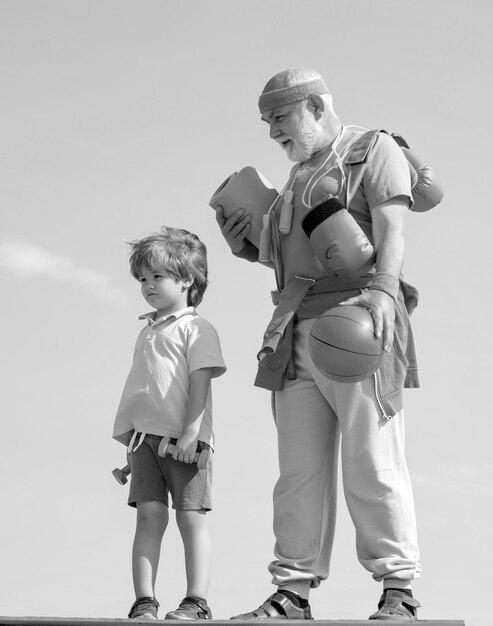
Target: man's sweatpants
x: 314, y: 417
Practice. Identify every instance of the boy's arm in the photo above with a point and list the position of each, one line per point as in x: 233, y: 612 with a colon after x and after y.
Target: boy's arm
x: 186, y: 445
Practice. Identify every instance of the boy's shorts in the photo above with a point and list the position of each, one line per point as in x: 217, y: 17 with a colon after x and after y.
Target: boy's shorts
x: 154, y: 477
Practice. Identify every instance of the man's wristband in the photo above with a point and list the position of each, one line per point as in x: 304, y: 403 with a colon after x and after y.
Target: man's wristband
x: 387, y: 283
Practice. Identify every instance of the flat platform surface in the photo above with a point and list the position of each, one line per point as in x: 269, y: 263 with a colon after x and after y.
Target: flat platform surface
x: 95, y: 621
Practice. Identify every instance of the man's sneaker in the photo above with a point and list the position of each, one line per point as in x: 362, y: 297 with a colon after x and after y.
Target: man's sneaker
x: 144, y: 608
x: 191, y: 608
x: 278, y: 606
x: 396, y: 606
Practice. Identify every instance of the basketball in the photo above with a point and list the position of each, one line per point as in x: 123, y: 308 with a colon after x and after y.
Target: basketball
x: 342, y: 344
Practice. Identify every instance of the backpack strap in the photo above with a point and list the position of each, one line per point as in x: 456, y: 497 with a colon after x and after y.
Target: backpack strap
x: 357, y: 160
x: 426, y: 188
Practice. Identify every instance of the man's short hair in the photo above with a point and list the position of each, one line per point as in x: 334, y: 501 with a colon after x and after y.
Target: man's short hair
x: 177, y: 251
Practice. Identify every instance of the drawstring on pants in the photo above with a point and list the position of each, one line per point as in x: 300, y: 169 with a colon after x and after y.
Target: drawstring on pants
x: 130, y: 448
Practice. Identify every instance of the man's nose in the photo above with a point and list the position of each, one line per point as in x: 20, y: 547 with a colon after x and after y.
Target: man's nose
x: 274, y: 131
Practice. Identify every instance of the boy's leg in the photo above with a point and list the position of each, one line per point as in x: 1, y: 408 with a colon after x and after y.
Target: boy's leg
x: 190, y: 489
x: 152, y: 519
x: 149, y: 493
x: 196, y: 538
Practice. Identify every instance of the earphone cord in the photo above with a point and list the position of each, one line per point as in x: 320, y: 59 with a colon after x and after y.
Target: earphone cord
x: 289, y: 185
x: 309, y: 186
x: 339, y: 160
x: 306, y: 201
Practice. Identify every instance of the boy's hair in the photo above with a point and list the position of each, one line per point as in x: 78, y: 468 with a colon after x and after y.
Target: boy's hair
x: 177, y: 251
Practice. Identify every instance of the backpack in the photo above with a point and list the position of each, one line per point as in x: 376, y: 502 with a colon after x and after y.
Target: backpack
x: 426, y: 188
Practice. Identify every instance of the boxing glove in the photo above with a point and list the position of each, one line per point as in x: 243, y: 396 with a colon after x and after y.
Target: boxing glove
x: 426, y: 187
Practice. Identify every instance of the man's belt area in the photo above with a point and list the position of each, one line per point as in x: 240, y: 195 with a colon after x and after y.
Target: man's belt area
x: 307, y: 298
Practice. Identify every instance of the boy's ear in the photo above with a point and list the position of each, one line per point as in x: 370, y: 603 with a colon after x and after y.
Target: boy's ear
x: 187, y: 283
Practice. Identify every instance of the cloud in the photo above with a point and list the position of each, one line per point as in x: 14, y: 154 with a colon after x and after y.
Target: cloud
x: 25, y: 259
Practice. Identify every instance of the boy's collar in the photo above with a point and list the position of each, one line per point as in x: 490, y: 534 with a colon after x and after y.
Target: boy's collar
x: 151, y: 316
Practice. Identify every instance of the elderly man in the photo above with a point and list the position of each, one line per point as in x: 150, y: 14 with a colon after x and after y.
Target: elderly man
x: 316, y: 416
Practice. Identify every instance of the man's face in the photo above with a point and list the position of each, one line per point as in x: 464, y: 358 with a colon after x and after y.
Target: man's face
x: 295, y: 129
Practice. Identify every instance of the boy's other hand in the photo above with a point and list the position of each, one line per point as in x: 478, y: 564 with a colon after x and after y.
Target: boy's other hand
x: 235, y: 228
x: 185, y: 448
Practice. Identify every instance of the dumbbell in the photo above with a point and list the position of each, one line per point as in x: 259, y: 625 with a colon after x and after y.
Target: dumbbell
x: 166, y: 446
x: 202, y: 458
x: 121, y: 474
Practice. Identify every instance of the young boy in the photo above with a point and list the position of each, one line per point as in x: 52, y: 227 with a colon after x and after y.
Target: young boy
x: 167, y: 394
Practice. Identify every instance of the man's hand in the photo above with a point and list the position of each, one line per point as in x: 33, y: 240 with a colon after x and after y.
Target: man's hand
x: 235, y: 228
x: 382, y: 309
x: 185, y: 448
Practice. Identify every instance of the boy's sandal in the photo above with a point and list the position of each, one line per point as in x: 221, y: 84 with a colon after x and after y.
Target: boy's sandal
x: 396, y: 606
x: 191, y: 609
x: 144, y: 608
x: 278, y: 606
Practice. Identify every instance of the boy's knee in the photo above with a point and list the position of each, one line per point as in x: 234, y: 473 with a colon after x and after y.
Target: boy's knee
x: 152, y: 513
x: 190, y: 519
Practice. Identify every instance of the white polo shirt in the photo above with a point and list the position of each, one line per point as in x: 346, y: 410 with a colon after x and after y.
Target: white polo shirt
x: 155, y: 396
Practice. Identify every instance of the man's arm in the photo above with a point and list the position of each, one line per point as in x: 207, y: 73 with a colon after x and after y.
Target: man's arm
x: 186, y: 444
x: 388, y: 221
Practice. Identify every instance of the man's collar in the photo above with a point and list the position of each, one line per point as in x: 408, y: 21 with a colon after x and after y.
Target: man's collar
x: 151, y: 316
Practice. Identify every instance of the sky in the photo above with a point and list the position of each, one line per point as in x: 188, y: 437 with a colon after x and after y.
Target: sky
x: 119, y: 116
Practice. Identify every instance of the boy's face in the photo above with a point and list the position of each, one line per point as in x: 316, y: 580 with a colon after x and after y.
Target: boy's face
x: 163, y: 292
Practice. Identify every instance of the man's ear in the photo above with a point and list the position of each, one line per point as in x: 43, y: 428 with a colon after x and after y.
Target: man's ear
x: 316, y: 106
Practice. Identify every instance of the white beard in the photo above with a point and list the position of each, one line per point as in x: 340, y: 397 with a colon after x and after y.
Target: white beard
x: 303, y: 147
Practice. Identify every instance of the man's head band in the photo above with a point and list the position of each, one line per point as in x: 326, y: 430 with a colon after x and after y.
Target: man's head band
x: 288, y: 95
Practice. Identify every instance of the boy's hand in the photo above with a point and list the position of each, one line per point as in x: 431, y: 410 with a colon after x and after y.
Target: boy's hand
x: 185, y: 448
